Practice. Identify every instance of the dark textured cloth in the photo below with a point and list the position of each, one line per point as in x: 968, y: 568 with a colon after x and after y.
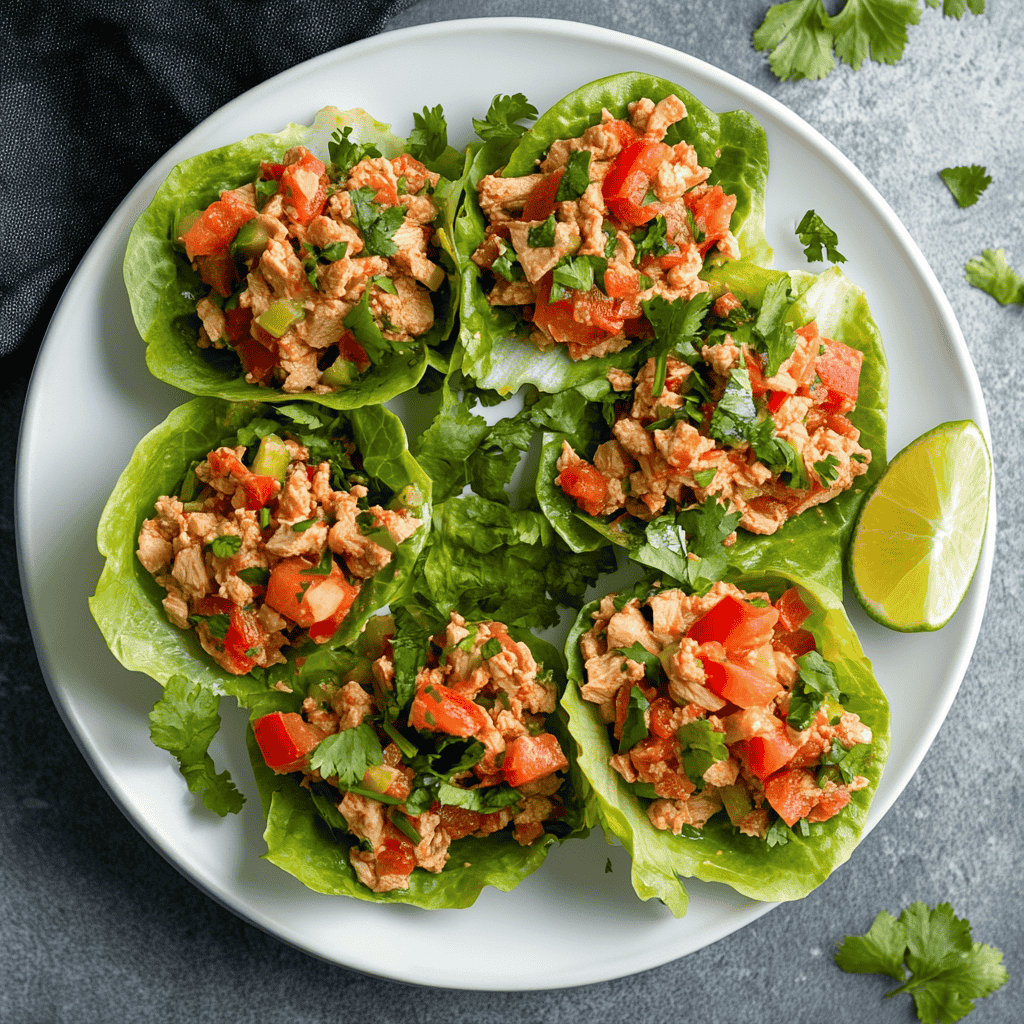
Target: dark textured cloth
x: 94, y: 92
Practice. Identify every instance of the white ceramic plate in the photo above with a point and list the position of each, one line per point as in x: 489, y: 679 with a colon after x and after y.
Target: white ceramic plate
x: 91, y: 399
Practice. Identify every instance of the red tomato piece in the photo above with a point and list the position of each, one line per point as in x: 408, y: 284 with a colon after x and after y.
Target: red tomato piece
x: 585, y: 485
x: 436, y: 708
x: 217, y: 225
x: 742, y: 686
x: 775, y: 400
x: 259, y: 490
x: 627, y: 183
x: 540, y: 203
x: 839, y: 372
x: 256, y: 358
x: 758, y: 382
x: 626, y: 133
x: 765, y: 755
x: 792, y: 793
x: 793, y: 613
x: 271, y: 172
x: 736, y: 625
x: 799, y: 642
x: 620, y: 284
x: 239, y: 324
x: 397, y: 856
x: 596, y: 310
x: 285, y: 741
x: 712, y: 211
x: 663, y: 718
x: 306, y: 598
x: 829, y: 805
x: 529, y: 758
x: 351, y: 350
x: 556, y: 318
x: 304, y: 186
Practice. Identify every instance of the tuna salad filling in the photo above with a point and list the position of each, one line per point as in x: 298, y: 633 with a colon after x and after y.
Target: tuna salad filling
x: 765, y: 432
x: 256, y: 556
x: 721, y: 703
x: 608, y: 221
x: 308, y: 262
x: 466, y: 754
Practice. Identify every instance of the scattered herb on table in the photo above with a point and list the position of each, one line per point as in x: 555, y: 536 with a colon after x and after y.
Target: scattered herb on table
x: 966, y: 183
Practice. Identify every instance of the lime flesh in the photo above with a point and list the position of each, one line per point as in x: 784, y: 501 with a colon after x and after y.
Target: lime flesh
x: 918, y: 538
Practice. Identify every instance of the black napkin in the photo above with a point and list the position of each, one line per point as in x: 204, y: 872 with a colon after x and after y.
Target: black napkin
x: 96, y: 91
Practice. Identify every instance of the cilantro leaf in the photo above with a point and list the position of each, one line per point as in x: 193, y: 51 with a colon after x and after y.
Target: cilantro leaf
x: 778, y: 337
x: 345, y: 154
x: 184, y: 721
x: 948, y: 970
x: 543, y: 235
x: 991, y: 273
x: 798, y: 39
x: 702, y: 747
x: 707, y: 525
x: 502, y: 115
x: 873, y: 30
x: 816, y: 235
x: 652, y: 240
x: 825, y: 470
x: 485, y: 799
x: 575, y: 177
x: 634, y: 729
x: 957, y: 8
x: 507, y: 264
x: 838, y: 763
x: 815, y: 682
x: 217, y: 625
x: 225, y: 545
x: 348, y: 754
x: 491, y: 648
x: 638, y: 653
x: 377, y: 224
x: 429, y: 138
x: 966, y: 183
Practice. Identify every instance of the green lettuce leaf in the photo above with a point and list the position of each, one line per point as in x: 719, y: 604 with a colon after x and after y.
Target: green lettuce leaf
x: 718, y: 853
x: 810, y: 545
x: 494, y: 344
x: 163, y: 287
x: 127, y: 602
x: 305, y: 839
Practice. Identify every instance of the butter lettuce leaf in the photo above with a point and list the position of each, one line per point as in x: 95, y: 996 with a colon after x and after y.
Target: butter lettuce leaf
x: 163, y: 287
x: 494, y: 341
x: 718, y: 852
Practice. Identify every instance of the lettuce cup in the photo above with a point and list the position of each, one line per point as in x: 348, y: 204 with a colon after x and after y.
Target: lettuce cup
x: 316, y: 263
x: 242, y: 537
x: 736, y: 736
x: 627, y: 188
x: 767, y: 395
x: 419, y: 766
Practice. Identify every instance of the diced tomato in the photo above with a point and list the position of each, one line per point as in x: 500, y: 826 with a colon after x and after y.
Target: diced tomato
x: 415, y: 173
x: 829, y: 805
x: 791, y: 792
x: 765, y: 755
x: 758, y: 381
x: 585, y: 485
x: 397, y: 856
x: 218, y: 224
x: 620, y: 283
x: 285, y: 741
x: 725, y: 304
x: 839, y: 372
x: 745, y: 687
x: 239, y: 324
x: 672, y: 259
x: 629, y: 180
x: 797, y: 643
x: 793, y: 613
x: 529, y: 758
x: 556, y: 318
x: 256, y: 358
x: 736, y: 625
x: 271, y: 172
x: 662, y: 718
x: 259, y: 490
x: 459, y: 821
x: 350, y: 349
x: 775, y: 400
x: 540, y: 203
x: 597, y: 310
x: 437, y: 708
x: 306, y: 598
x: 322, y: 631
x: 626, y: 133
x: 306, y: 199
x: 712, y: 211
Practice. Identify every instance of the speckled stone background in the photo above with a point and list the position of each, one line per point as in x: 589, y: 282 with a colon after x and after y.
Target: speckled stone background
x: 96, y: 927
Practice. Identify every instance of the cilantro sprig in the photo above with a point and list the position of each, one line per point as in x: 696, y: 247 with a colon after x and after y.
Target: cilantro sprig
x: 948, y: 970
x: 377, y: 224
x: 503, y: 115
x: 991, y: 273
x: 966, y: 183
x: 816, y: 235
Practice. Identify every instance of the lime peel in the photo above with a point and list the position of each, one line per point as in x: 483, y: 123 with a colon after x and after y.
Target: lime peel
x: 918, y: 539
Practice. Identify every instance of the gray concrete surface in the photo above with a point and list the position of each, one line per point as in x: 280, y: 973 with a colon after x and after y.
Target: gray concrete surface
x: 96, y: 927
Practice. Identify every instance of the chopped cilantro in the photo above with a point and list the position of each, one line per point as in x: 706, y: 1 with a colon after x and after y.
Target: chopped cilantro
x: 216, y: 625
x: 303, y: 525
x: 254, y: 575
x: 345, y: 154
x: 966, y: 183
x: 638, y: 653
x: 323, y: 568
x: 184, y: 721
x: 384, y: 283
x: 708, y: 526
x: 543, y: 235
x: 348, y: 754
x: 484, y: 800
x: 651, y: 240
x: 842, y: 765
x: 502, y: 115
x: 702, y: 747
x: 817, y: 235
x: 704, y: 476
x: 491, y: 648
x: 815, y: 682
x: 377, y: 224
x: 507, y: 264
x: 226, y: 545
x: 264, y: 191
x: 580, y: 273
x: 778, y: 337
x: 948, y: 970
x: 429, y: 138
x: 634, y: 728
x: 575, y: 177
x: 608, y: 866
x: 825, y: 470
x: 991, y: 273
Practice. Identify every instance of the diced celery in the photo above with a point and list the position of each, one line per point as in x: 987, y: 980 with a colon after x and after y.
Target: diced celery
x: 340, y: 373
x: 736, y: 802
x: 375, y: 632
x: 250, y: 241
x: 281, y: 315
x: 272, y: 458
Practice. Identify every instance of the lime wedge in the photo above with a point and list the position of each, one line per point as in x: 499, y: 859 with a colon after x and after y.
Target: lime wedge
x: 919, y: 534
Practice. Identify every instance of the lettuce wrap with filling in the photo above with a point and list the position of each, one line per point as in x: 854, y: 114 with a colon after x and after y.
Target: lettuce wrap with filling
x: 366, y: 445
x: 494, y: 346
x: 790, y: 861
x: 810, y: 544
x: 323, y: 272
